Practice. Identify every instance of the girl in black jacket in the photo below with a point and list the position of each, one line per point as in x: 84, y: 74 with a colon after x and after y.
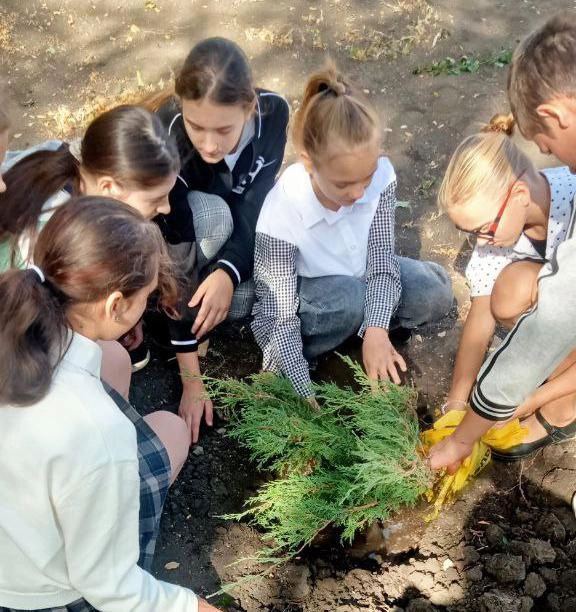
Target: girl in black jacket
x: 231, y: 140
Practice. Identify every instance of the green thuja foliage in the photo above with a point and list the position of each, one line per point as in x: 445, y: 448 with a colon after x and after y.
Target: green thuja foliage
x: 352, y: 462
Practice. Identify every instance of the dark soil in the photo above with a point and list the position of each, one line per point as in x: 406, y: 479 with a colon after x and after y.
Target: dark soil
x: 509, y: 542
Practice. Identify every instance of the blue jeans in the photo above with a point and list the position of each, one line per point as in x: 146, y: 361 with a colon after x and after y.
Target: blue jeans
x: 332, y: 307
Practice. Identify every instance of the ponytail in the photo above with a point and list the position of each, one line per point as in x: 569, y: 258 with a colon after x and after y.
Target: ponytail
x: 127, y: 143
x: 33, y: 336
x: 332, y: 110
x: 503, y: 124
x: 89, y: 248
x: 29, y: 184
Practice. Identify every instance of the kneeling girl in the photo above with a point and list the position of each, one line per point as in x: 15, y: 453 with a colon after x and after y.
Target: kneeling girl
x: 325, y: 267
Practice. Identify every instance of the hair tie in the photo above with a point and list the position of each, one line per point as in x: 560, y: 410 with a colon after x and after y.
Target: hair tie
x: 38, y: 271
x: 335, y: 89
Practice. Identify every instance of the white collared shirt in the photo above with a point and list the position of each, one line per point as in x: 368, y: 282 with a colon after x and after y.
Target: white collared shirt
x: 70, y: 499
x: 297, y: 236
x: 328, y: 242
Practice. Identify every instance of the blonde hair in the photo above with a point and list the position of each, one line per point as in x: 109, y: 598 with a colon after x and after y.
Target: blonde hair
x: 484, y: 164
x: 332, y: 109
x: 543, y: 68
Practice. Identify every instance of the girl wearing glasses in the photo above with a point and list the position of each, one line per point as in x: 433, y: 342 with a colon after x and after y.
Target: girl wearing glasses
x: 519, y: 216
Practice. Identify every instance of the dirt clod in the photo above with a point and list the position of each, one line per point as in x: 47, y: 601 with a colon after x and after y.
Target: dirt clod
x: 534, y: 585
x: 495, y: 536
x: 552, y: 529
x: 541, y: 551
x: 497, y: 601
x: 420, y: 605
x: 506, y: 568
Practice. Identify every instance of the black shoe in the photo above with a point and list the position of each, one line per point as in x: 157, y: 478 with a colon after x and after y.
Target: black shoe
x: 400, y: 335
x: 140, y: 357
x: 555, y: 435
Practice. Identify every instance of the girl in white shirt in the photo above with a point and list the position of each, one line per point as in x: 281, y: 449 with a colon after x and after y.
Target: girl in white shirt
x: 325, y: 267
x: 69, y: 515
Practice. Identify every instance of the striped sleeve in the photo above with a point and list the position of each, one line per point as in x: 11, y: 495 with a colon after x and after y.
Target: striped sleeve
x: 276, y: 325
x: 383, y: 286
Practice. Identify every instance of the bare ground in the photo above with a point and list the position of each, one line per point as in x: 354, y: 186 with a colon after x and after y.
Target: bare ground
x: 508, y: 544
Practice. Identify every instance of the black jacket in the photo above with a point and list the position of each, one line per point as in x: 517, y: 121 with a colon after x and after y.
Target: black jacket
x: 244, y: 188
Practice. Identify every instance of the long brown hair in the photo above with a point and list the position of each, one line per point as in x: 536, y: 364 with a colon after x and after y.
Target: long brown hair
x: 127, y: 143
x: 217, y: 69
x: 90, y: 247
x: 332, y: 109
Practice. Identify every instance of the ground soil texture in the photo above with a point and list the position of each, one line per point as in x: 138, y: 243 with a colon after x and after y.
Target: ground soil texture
x: 509, y: 543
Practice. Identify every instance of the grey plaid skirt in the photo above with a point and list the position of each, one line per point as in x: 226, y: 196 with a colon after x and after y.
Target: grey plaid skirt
x: 154, y: 468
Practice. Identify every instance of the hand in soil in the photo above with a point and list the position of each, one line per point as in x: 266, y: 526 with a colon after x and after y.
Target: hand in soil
x: 214, y: 297
x: 381, y: 360
x: 193, y: 404
x: 449, y: 453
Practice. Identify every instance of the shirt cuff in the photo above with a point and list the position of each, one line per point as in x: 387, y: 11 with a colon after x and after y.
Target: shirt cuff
x: 231, y: 270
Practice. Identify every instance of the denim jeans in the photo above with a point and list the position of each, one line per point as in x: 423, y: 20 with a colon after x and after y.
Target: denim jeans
x: 332, y: 307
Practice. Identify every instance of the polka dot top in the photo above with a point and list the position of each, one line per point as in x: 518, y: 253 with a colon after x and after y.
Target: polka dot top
x: 487, y: 261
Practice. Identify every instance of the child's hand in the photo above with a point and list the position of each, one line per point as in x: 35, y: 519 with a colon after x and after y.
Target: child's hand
x: 193, y: 405
x: 381, y: 359
x: 214, y: 297
x: 449, y: 453
x: 314, y: 403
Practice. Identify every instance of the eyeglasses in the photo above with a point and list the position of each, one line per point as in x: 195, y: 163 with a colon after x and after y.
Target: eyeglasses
x: 490, y: 233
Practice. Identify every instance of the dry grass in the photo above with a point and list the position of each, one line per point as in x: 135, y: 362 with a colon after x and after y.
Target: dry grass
x: 403, y: 26
x: 66, y: 122
x: 284, y: 37
x: 7, y: 22
x: 413, y: 23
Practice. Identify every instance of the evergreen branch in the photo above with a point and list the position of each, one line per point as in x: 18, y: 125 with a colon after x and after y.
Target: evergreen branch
x: 351, y: 463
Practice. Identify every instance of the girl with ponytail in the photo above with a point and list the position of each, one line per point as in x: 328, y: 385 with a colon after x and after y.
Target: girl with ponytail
x: 80, y: 470
x: 325, y: 267
x: 518, y: 216
x: 126, y: 154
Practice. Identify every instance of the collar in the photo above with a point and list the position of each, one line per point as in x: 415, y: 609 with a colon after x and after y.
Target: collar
x: 259, y: 112
x: 312, y: 211
x: 84, y: 354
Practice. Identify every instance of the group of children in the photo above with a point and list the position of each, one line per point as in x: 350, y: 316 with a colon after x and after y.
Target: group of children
x: 177, y: 200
